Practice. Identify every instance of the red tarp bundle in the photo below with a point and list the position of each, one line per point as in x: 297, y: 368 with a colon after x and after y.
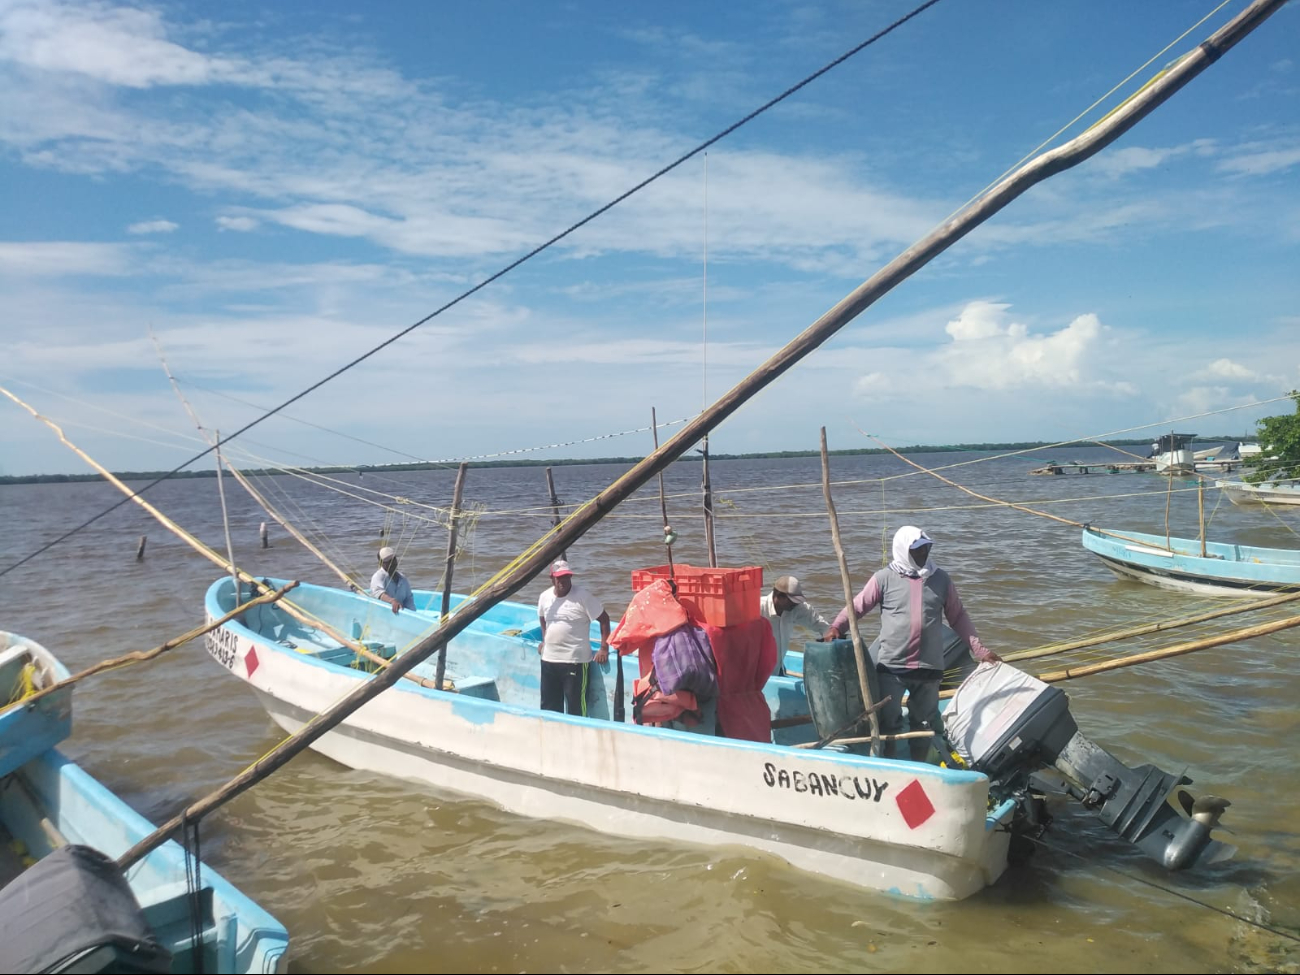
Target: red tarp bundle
x: 745, y: 655
x: 653, y: 612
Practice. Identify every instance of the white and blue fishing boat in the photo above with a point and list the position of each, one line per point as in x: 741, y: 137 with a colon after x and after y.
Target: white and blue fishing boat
x: 63, y: 905
x: 1224, y: 569
x: 913, y: 829
x: 1270, y: 492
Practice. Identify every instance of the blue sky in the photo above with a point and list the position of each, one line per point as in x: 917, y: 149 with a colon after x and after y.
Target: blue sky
x: 275, y: 188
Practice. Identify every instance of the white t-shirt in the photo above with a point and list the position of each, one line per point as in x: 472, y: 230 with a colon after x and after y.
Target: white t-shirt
x: 568, y: 624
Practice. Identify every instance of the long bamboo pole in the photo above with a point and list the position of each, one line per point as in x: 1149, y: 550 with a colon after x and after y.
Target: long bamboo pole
x: 1235, y: 636
x: 451, y: 564
x: 1115, y: 636
x: 906, y: 264
x: 140, y: 656
x: 859, y: 648
x: 297, y: 613
x: 1177, y: 650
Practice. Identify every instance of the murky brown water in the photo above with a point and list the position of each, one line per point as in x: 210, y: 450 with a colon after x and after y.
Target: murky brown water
x: 374, y: 874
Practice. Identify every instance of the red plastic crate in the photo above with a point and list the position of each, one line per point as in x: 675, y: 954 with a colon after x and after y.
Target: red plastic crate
x: 720, y: 597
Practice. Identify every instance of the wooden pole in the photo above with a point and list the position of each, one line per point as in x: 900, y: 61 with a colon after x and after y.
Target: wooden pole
x: 555, y: 505
x: 590, y: 514
x: 1169, y: 495
x: 859, y: 649
x: 708, y: 507
x: 451, y: 564
x: 225, y: 520
x: 1117, y: 635
x: 1200, y: 505
x: 1236, y: 636
x: 208, y: 553
x: 904, y: 736
x: 139, y: 552
x: 262, y: 534
x: 663, y: 504
x: 138, y: 656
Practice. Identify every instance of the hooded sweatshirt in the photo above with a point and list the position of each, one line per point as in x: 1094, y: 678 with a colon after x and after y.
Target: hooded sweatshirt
x: 913, y: 601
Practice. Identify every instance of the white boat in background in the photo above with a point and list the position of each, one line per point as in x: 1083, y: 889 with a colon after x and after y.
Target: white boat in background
x: 1173, y: 453
x: 1273, y: 492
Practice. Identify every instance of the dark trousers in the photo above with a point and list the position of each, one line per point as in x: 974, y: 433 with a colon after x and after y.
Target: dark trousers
x: 564, y: 687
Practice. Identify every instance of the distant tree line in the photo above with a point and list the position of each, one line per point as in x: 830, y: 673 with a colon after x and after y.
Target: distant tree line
x: 693, y: 456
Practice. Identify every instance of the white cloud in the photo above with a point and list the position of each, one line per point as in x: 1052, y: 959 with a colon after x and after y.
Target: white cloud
x: 117, y: 45
x: 60, y: 258
x: 152, y: 227
x: 873, y: 387
x: 990, y: 351
x: 1226, y: 369
x: 237, y: 223
x: 1261, y: 161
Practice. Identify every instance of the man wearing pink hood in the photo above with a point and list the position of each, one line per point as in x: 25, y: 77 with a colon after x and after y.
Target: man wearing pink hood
x: 914, y: 596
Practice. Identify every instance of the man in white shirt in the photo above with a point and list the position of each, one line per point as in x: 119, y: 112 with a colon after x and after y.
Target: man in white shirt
x: 785, y: 606
x: 390, y: 585
x: 565, y: 611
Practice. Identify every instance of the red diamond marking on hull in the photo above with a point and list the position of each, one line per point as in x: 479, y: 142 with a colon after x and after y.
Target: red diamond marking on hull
x: 250, y: 663
x: 914, y: 804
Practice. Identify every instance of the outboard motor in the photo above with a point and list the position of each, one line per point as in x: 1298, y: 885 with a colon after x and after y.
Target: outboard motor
x: 1010, y: 725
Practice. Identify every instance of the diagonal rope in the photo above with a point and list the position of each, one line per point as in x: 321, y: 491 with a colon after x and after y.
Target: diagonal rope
x: 493, y: 277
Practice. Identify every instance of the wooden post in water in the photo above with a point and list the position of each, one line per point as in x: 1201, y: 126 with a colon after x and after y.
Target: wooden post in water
x: 555, y: 505
x: 859, y: 650
x: 446, y: 575
x: 708, y: 507
x: 225, y: 521
x: 669, y: 537
x: 263, y: 535
x: 139, y: 551
x: 1200, y: 505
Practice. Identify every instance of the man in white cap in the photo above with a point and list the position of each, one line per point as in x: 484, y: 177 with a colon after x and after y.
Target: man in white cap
x: 390, y: 585
x: 785, y: 606
x: 565, y: 611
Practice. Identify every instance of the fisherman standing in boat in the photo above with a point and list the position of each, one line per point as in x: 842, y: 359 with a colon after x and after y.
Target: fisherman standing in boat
x: 390, y: 585
x: 565, y: 611
x: 785, y: 606
x: 914, y: 595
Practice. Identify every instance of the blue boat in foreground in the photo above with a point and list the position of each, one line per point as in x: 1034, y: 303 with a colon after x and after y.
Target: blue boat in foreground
x: 1177, y: 563
x: 63, y: 906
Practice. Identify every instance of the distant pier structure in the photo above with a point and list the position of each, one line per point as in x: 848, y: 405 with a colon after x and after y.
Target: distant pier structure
x: 1130, y: 467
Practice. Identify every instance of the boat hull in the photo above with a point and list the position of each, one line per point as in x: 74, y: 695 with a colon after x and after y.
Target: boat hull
x: 1239, y: 492
x: 239, y: 936
x: 1176, y: 564
x: 906, y: 828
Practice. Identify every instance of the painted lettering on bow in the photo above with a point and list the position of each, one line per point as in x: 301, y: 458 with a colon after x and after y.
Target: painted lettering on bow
x: 851, y: 787
x: 221, y: 646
